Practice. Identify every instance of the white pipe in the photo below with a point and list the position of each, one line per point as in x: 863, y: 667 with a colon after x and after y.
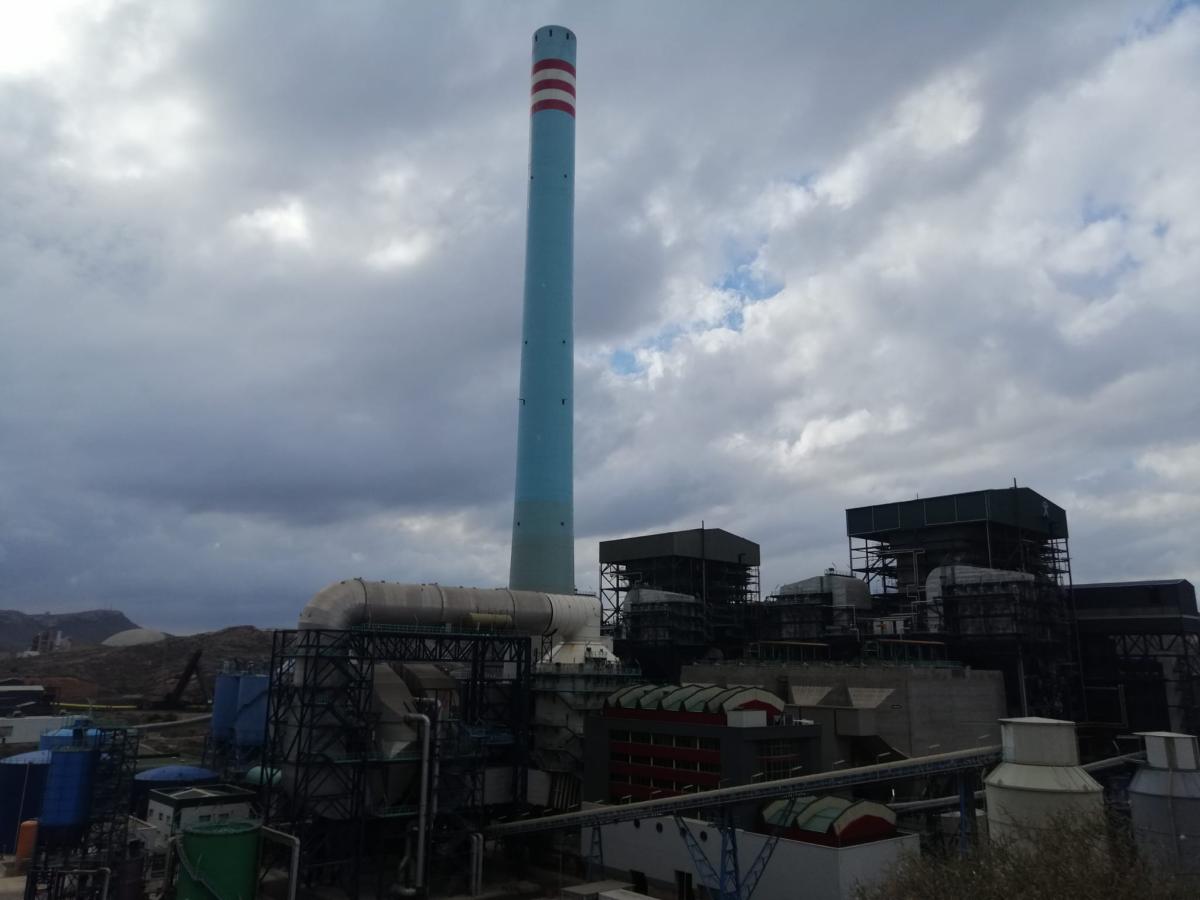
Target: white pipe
x: 423, y: 721
x: 169, y: 868
x: 294, y: 866
x: 357, y: 602
x: 178, y: 723
x: 475, y: 887
x: 436, y: 775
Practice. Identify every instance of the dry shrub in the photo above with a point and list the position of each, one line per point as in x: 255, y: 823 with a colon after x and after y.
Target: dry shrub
x: 1069, y: 860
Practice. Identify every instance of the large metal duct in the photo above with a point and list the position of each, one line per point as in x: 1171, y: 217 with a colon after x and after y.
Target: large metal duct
x: 572, y: 623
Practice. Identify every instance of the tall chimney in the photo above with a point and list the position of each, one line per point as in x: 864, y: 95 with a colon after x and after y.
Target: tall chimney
x: 543, y: 542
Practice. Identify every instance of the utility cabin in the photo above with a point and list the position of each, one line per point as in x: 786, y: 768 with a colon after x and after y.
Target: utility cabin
x: 174, y: 809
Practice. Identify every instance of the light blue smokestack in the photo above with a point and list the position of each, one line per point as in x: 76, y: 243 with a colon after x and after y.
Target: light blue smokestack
x: 543, y: 544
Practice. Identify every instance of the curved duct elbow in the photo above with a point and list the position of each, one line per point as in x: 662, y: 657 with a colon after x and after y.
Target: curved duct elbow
x: 567, y: 618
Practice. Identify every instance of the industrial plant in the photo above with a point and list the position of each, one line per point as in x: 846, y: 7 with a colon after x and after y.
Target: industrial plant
x: 682, y: 734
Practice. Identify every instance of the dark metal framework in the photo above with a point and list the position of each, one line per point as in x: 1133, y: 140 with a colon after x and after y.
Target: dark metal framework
x: 322, y: 735
x: 1154, y: 679
x: 716, y: 567
x: 74, y: 870
x: 1023, y: 625
x: 900, y: 564
x: 1140, y: 645
x: 721, y: 587
x: 1178, y: 656
x: 976, y: 758
x: 894, y: 546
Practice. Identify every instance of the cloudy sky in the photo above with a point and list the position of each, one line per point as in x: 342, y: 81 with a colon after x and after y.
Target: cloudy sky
x: 261, y: 272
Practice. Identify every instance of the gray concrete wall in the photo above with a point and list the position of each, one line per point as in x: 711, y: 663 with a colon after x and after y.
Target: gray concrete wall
x: 655, y: 848
x: 738, y: 748
x: 930, y: 710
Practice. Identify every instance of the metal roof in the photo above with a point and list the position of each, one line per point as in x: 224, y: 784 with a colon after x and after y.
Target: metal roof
x: 1019, y: 507
x: 697, y: 698
x: 714, y: 544
x: 1150, y: 582
x: 1115, y: 599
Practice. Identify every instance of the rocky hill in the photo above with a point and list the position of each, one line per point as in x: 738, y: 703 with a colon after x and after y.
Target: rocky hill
x: 149, y: 670
x: 92, y: 626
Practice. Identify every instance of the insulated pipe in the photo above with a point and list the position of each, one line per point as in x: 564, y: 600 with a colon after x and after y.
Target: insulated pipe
x: 356, y: 602
x: 475, y: 886
x: 433, y: 778
x: 423, y: 721
x: 571, y: 622
x: 294, y: 866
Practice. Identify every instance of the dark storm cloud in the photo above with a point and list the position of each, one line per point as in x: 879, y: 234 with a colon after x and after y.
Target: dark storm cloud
x: 261, y: 270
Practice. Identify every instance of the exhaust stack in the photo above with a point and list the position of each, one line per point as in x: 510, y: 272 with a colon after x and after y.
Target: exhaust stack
x: 543, y: 541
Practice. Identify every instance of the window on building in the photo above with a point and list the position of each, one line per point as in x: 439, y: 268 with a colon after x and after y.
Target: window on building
x: 779, y: 758
x: 709, y: 744
x: 205, y: 818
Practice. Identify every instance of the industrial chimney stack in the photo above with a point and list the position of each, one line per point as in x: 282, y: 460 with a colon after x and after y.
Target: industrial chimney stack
x: 543, y: 543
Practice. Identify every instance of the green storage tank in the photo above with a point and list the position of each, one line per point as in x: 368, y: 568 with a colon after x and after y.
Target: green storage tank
x: 218, y: 861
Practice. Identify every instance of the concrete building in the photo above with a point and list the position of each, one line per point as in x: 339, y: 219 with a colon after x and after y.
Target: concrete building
x: 652, y: 850
x: 52, y: 640
x: 661, y: 740
x: 914, y: 710
x: 24, y: 699
x: 170, y: 811
x: 29, y: 729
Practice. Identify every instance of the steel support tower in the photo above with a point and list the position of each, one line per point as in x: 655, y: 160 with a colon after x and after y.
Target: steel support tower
x: 322, y: 735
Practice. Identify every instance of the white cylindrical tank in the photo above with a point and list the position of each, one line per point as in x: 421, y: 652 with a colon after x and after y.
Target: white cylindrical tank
x: 1039, y: 779
x: 1164, y: 798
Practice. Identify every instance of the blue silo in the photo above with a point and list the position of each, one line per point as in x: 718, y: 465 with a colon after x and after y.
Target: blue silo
x: 22, y: 785
x: 250, y: 727
x: 165, y: 777
x: 225, y: 707
x: 68, y: 795
x: 79, y: 736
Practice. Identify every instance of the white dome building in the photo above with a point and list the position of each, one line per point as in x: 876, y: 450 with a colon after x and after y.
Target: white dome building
x: 134, y: 637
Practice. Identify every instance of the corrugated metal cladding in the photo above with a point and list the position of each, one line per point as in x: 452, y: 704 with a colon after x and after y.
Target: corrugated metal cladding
x: 1016, y: 507
x: 1177, y: 597
x: 717, y: 545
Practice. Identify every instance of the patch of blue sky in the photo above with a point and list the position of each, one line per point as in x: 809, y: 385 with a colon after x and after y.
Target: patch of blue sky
x: 1099, y: 284
x: 1096, y: 210
x: 748, y: 282
x: 741, y: 279
x: 1158, y: 19
x: 624, y: 360
x: 808, y: 180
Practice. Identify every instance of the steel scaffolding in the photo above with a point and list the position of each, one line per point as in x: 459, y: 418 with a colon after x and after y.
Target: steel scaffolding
x: 323, y: 728
x: 81, y: 869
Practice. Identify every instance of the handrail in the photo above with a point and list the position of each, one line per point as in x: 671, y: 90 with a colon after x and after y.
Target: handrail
x: 955, y: 761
